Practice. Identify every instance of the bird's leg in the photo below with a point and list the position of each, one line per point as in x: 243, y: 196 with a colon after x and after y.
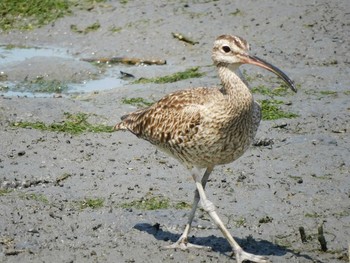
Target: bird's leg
x: 182, y: 242
x: 209, y: 207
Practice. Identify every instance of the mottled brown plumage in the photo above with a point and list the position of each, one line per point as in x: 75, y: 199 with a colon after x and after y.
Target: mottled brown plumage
x: 204, y: 127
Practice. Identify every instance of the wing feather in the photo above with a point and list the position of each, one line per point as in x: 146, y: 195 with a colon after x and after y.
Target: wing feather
x: 173, y: 119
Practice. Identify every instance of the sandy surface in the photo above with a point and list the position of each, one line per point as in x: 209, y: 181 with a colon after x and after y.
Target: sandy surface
x: 302, y: 179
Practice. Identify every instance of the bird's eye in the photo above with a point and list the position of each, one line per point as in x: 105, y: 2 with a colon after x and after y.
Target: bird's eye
x: 226, y: 49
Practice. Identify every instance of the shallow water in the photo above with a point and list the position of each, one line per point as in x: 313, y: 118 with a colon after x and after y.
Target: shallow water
x: 18, y: 54
x: 107, y: 80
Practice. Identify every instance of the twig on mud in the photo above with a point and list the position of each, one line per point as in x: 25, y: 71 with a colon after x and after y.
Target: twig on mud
x: 62, y: 178
x: 181, y: 37
x: 302, y: 234
x: 126, y: 60
x: 321, y: 238
x: 14, y: 252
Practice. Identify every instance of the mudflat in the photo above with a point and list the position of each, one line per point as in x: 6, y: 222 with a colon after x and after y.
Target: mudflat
x: 99, y: 196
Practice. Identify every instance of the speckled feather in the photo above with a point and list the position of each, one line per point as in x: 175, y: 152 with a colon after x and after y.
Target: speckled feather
x: 201, y: 127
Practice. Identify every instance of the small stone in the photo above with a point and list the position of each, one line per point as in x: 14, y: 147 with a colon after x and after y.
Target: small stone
x: 33, y: 230
x: 21, y: 153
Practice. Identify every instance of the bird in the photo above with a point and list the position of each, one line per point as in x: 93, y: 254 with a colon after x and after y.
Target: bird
x: 207, y: 126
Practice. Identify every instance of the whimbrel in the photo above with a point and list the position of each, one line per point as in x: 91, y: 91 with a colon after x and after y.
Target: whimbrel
x: 205, y: 127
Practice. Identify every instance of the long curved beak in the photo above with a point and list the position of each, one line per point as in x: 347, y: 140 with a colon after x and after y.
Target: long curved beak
x: 249, y: 59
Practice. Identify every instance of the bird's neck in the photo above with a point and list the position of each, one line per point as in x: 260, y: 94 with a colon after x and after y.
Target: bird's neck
x: 232, y: 84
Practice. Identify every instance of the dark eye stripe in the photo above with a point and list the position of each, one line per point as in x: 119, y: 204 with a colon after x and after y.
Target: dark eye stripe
x: 240, y: 42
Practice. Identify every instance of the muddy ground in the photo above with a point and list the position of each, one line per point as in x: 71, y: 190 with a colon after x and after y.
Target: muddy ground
x: 301, y: 180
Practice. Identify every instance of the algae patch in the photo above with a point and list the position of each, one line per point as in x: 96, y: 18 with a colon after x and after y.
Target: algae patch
x: 271, y: 110
x: 187, y: 74
x: 149, y: 203
x: 279, y: 91
x: 32, y: 13
x: 35, y: 197
x: 271, y: 107
x: 93, y: 27
x: 4, y: 192
x: 92, y: 203
x: 41, y: 85
x: 73, y: 124
x: 152, y: 202
x: 139, y: 102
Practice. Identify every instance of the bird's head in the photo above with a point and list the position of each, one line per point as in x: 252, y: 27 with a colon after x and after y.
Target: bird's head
x: 233, y: 51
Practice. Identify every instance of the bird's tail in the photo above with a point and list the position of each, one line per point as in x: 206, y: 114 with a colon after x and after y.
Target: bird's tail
x: 120, y: 127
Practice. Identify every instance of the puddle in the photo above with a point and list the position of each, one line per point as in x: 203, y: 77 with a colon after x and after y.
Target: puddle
x: 22, y: 70
x: 19, y: 54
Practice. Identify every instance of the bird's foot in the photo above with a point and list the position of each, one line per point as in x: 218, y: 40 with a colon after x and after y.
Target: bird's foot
x: 183, y: 244
x: 242, y: 256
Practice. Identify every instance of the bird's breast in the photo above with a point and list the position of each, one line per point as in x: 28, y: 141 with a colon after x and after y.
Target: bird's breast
x: 218, y: 139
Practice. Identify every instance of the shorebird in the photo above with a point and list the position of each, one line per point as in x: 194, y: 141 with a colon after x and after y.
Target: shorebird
x: 204, y: 127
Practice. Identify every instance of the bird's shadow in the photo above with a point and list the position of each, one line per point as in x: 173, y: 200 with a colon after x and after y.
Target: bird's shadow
x: 220, y: 244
